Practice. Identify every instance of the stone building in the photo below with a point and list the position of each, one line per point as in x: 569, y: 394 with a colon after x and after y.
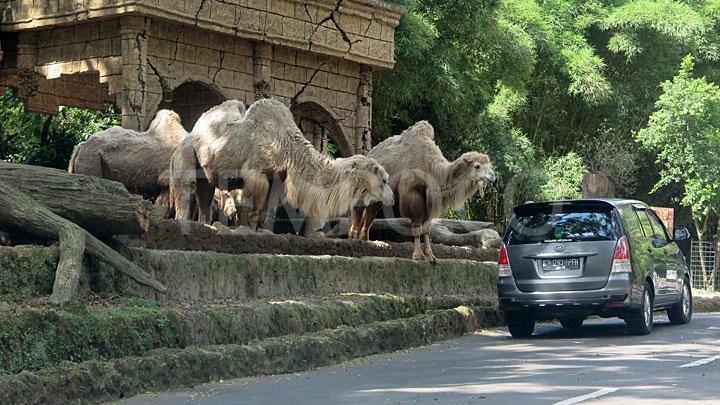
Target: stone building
x: 317, y: 56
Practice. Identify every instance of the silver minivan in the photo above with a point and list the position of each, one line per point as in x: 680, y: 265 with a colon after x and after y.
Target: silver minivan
x: 569, y: 260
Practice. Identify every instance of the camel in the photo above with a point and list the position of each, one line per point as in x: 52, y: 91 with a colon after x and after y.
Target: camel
x: 135, y: 159
x: 424, y: 183
x: 266, y: 143
x: 185, y: 172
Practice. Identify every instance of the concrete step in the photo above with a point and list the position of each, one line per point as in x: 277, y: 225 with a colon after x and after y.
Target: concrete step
x: 37, y: 337
x: 191, y: 276
x: 162, y: 369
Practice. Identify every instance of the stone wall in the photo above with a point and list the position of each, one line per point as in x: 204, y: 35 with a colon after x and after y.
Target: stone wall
x: 316, y: 56
x: 178, y: 54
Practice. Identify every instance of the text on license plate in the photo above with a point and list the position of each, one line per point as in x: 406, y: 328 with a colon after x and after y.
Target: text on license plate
x: 560, y: 264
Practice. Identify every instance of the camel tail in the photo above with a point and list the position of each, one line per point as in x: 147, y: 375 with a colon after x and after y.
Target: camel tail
x: 73, y: 157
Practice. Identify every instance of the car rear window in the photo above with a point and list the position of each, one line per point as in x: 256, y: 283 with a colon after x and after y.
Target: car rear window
x: 547, y: 223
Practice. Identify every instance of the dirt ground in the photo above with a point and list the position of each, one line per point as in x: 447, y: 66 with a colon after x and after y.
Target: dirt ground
x: 173, y: 235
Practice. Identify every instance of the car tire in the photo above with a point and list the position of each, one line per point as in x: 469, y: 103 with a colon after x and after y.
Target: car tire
x: 572, y: 323
x: 640, y: 321
x: 681, y: 313
x: 520, y: 324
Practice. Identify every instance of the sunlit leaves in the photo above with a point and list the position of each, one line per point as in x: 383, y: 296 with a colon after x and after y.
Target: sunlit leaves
x: 685, y: 133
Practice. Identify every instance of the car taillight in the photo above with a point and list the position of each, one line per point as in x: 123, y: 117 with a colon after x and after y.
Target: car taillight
x: 621, y: 260
x: 503, y: 262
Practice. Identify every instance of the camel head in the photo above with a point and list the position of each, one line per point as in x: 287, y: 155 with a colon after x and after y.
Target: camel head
x: 368, y: 180
x: 475, y: 171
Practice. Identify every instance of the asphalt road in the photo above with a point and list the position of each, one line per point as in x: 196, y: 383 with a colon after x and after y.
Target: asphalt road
x: 600, y: 362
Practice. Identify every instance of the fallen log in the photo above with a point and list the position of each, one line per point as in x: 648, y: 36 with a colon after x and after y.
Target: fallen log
x: 100, y: 206
x: 21, y: 211
x: 479, y: 235
x: 462, y: 226
x: 483, y: 238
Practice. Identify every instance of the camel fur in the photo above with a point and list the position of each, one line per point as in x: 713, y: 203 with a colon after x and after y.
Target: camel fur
x: 136, y: 159
x: 266, y: 143
x: 424, y: 183
x: 186, y: 174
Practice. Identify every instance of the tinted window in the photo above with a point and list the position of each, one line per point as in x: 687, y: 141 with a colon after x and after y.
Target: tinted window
x: 562, y: 223
x: 632, y: 223
x: 658, y: 226
x: 645, y: 221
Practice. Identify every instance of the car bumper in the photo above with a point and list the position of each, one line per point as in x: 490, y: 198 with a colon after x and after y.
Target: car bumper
x: 617, y: 295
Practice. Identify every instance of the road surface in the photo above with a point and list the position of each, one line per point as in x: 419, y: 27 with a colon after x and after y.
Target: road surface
x: 599, y: 364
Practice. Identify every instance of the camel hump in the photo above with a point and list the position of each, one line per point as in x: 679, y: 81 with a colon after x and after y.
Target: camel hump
x: 234, y: 105
x: 421, y: 129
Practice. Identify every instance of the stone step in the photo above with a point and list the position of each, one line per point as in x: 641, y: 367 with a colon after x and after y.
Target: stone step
x: 33, y: 338
x: 188, y: 235
x: 192, y: 276
x: 28, y: 271
x: 162, y: 369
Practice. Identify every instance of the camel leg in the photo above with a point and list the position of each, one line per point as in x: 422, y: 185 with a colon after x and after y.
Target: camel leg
x: 356, y: 214
x: 367, y: 220
x: 204, y: 196
x: 258, y: 191
x: 312, y: 228
x: 417, y: 232
x: 182, y: 196
x: 428, y: 245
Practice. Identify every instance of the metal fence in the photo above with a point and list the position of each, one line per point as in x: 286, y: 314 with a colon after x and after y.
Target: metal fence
x: 702, y: 266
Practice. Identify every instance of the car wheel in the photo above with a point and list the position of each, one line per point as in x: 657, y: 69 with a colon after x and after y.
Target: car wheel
x: 681, y: 313
x: 520, y: 324
x: 640, y: 321
x: 571, y: 323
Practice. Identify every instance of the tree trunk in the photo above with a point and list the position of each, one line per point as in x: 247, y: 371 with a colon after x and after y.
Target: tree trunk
x: 100, y: 206
x: 444, y: 231
x: 19, y: 210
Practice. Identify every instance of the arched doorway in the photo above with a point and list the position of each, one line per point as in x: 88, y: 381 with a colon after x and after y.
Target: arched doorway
x: 321, y: 128
x: 190, y: 100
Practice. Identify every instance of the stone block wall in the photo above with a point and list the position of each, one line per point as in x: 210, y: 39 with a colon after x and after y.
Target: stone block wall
x: 179, y: 54
x: 316, y: 56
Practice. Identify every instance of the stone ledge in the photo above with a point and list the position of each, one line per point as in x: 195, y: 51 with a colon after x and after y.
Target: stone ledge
x: 96, y: 381
x: 34, y: 338
x: 198, y: 276
x: 290, y: 29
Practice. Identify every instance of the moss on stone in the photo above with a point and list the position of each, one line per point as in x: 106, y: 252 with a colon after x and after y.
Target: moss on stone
x: 33, y: 339
x: 27, y: 271
x: 95, y: 381
x: 207, y: 275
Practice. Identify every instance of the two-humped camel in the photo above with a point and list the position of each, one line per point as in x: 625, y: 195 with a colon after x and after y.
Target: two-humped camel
x: 248, y: 153
x: 425, y: 184
x: 186, y: 174
x: 139, y: 160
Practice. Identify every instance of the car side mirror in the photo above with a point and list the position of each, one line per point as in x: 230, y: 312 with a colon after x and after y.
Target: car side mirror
x: 681, y: 234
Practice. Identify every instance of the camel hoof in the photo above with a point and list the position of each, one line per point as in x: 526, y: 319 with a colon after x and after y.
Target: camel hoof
x: 418, y: 255
x: 318, y: 235
x: 430, y: 256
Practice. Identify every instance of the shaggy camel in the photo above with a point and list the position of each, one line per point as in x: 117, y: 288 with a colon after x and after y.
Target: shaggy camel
x: 186, y: 175
x: 266, y: 143
x: 425, y: 184
x: 136, y: 159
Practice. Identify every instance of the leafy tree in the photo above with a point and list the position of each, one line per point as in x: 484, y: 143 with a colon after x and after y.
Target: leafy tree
x: 46, y: 140
x: 685, y: 133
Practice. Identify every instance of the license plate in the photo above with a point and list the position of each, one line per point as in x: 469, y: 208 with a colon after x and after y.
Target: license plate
x: 560, y: 264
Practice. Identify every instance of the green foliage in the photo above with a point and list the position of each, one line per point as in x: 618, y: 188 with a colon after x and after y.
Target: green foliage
x: 685, y: 132
x: 563, y: 175
x: 44, y: 140
x: 532, y: 82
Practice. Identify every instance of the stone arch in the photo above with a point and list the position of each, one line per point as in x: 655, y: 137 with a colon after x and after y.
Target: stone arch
x: 318, y: 123
x: 190, y: 99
